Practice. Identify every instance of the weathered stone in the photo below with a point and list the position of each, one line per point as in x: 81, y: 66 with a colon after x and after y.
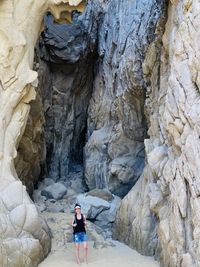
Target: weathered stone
x: 135, y: 223
x: 101, y: 193
x: 110, y: 215
x: 56, y: 208
x: 114, y: 153
x: 37, y: 197
x: 31, y: 151
x: 55, y: 191
x: 92, y: 206
x: 78, y: 186
x: 25, y: 239
x: 172, y: 109
x: 66, y: 55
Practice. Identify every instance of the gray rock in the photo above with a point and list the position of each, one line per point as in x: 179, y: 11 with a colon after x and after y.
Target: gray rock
x: 101, y: 193
x: 41, y: 207
x: 78, y: 186
x: 110, y: 215
x: 45, y: 182
x: 37, y: 197
x: 92, y: 206
x: 55, y: 191
x: 114, y: 153
x: 66, y: 88
x: 55, y: 208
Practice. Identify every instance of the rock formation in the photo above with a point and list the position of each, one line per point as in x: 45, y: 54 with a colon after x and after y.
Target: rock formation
x: 24, y: 237
x: 31, y: 152
x: 170, y: 182
x: 114, y: 153
x: 66, y: 59
x: 97, y: 108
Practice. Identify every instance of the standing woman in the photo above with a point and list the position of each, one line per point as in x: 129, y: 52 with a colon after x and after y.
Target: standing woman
x: 80, y: 237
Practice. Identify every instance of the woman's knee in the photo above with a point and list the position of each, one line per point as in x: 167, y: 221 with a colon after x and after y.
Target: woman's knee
x: 85, y: 246
x: 77, y: 246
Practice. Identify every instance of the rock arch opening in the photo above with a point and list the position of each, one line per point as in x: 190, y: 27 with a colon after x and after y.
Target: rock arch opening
x: 92, y: 90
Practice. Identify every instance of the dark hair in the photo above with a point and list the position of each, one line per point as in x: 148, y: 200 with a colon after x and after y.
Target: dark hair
x: 77, y: 206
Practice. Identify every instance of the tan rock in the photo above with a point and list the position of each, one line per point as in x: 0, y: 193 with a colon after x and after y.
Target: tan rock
x: 173, y: 148
x: 24, y: 238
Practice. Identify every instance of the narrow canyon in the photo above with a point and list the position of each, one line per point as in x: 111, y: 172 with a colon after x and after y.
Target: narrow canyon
x: 99, y: 105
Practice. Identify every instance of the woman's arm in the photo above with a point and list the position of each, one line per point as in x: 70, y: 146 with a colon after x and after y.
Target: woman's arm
x: 73, y: 223
x: 84, y: 219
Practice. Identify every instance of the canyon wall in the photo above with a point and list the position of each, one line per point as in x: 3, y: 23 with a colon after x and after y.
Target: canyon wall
x: 66, y: 55
x: 127, y: 111
x: 114, y: 153
x: 31, y: 152
x: 25, y: 239
x: 167, y: 194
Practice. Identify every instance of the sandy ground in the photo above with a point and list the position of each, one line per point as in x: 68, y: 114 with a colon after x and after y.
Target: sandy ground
x: 119, y: 255
x: 101, y: 253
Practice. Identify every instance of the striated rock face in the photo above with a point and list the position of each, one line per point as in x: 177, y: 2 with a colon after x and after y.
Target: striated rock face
x: 114, y: 153
x: 24, y: 236
x: 171, y: 184
x: 140, y: 82
x: 31, y: 152
x: 139, y: 222
x: 67, y: 54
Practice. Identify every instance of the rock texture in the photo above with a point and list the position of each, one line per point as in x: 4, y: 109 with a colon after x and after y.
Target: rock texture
x: 140, y: 82
x: 171, y: 183
x: 24, y: 237
x: 31, y: 152
x: 66, y: 60
x: 112, y: 128
x: 114, y: 153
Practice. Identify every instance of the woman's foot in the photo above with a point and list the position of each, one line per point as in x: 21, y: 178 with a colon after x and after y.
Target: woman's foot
x: 78, y: 262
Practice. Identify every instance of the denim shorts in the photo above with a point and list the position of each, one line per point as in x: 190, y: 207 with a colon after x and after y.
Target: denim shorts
x: 80, y: 237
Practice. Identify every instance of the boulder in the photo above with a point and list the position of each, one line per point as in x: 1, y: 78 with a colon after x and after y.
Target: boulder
x: 55, y: 191
x: 101, y: 193
x: 37, y: 197
x: 92, y: 206
x: 108, y: 216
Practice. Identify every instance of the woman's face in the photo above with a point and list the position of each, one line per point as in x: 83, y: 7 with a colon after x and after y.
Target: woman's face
x: 78, y: 210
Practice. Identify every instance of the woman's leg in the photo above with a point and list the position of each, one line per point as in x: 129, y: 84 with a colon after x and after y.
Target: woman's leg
x: 77, y: 250
x: 85, y: 247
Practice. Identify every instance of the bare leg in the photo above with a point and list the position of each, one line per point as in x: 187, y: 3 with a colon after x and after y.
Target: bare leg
x: 85, y: 247
x: 77, y: 249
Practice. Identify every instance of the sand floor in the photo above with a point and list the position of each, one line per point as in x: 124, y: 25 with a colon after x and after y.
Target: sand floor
x: 118, y: 255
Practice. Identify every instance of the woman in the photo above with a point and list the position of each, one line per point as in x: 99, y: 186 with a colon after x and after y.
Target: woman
x: 80, y: 237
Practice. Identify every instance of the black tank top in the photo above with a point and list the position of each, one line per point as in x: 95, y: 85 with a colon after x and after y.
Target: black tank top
x: 80, y: 227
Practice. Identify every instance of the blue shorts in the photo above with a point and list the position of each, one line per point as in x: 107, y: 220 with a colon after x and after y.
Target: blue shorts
x: 80, y: 237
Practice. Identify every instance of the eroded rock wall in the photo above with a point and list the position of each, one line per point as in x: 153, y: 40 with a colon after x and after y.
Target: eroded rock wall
x: 114, y: 153
x: 31, y: 152
x: 67, y: 54
x: 25, y: 240
x: 172, y: 181
x: 52, y: 144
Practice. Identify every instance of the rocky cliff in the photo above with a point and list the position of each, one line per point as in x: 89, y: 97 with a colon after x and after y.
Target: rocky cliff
x: 67, y: 54
x: 118, y: 96
x: 167, y: 195
x: 25, y: 239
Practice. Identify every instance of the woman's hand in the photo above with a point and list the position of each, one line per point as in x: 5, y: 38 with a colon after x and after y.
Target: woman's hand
x: 74, y: 224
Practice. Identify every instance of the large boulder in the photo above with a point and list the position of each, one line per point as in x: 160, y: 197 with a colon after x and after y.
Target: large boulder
x: 100, y: 211
x: 55, y: 191
x: 109, y: 216
x: 101, y: 193
x: 92, y: 206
